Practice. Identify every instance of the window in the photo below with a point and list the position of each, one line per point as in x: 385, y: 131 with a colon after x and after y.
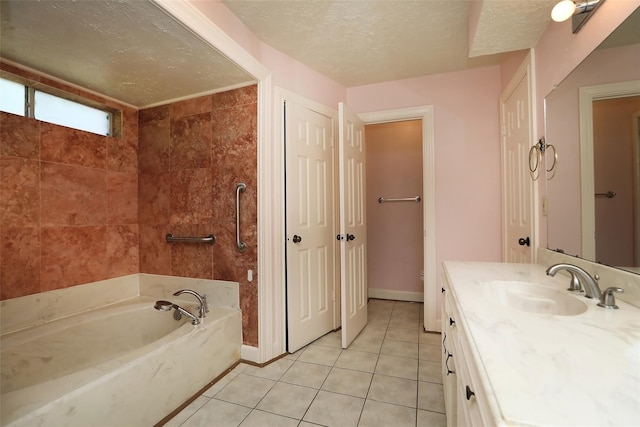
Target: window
x: 17, y: 98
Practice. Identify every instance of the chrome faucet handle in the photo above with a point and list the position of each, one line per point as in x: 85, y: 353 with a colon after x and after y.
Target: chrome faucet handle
x: 205, y: 303
x: 607, y: 299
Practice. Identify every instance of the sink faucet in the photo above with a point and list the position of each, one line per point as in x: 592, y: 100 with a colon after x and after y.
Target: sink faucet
x: 591, y: 289
x: 204, y: 307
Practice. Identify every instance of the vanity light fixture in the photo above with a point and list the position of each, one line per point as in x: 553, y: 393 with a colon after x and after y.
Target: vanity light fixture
x: 578, y: 10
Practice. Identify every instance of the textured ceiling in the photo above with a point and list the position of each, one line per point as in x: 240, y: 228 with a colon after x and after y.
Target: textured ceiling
x: 129, y: 50
x: 132, y: 51
x: 368, y: 41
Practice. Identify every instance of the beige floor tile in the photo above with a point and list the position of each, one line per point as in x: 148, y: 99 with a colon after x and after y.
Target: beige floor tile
x: 430, y: 352
x: 378, y: 319
x: 273, y: 371
x: 191, y: 409
x: 345, y: 381
x: 405, y: 323
x: 306, y: 374
x: 264, y: 419
x: 219, y: 414
x: 334, y: 410
x: 211, y: 391
x: 332, y: 339
x: 431, y: 397
x: 399, y: 348
x: 245, y: 390
x: 399, y: 334
x: 401, y: 367
x: 288, y: 400
x: 431, y: 419
x: 357, y: 360
x: 294, y: 356
x: 431, y: 338
x: 379, y: 414
x: 430, y: 371
x: 398, y: 391
x: 320, y: 355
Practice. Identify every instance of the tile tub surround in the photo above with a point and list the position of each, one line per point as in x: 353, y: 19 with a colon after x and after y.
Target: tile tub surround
x: 539, y: 369
x: 192, y: 153
x: 68, y: 198
x: 114, y: 390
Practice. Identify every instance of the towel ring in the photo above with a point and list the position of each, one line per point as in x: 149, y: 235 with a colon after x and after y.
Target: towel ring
x: 554, y: 164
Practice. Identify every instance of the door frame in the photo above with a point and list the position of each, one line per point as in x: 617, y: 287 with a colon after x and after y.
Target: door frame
x: 523, y: 72
x: 424, y: 113
x: 586, y: 96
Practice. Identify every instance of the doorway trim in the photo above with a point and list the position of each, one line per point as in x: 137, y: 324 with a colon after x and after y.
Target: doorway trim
x: 587, y: 95
x: 424, y: 113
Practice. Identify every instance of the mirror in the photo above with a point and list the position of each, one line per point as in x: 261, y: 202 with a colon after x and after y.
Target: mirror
x: 592, y: 120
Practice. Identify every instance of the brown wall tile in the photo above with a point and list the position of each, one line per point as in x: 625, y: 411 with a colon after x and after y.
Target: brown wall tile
x: 155, y: 252
x: 191, y: 142
x: 73, y: 195
x: 191, y: 107
x: 153, y: 198
x: 154, y: 146
x: 122, y: 198
x: 74, y: 147
x: 19, y: 136
x: 19, y: 192
x: 72, y: 256
x: 122, y: 250
x: 20, y: 262
x: 191, y: 196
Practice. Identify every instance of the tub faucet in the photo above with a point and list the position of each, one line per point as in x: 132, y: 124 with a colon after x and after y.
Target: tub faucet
x: 590, y: 285
x: 204, y: 307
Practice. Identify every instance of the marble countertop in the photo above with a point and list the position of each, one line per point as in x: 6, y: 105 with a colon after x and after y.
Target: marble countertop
x: 542, y: 369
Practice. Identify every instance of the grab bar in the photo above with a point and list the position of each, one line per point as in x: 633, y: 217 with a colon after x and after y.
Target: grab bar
x: 240, y: 187
x: 608, y: 194
x: 404, y: 199
x: 211, y: 239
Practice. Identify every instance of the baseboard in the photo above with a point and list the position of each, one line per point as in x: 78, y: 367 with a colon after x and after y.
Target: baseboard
x: 396, y: 295
x: 249, y: 353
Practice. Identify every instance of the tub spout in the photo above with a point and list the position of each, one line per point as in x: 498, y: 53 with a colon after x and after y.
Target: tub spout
x: 168, y: 305
x: 204, y: 307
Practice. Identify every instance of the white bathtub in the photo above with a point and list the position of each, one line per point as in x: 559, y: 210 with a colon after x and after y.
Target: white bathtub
x: 125, y: 364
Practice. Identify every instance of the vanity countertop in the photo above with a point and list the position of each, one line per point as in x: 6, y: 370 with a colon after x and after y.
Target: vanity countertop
x: 541, y: 369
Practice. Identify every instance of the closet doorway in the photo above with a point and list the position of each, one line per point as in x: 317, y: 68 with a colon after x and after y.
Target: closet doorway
x: 394, y: 210
x: 426, y: 206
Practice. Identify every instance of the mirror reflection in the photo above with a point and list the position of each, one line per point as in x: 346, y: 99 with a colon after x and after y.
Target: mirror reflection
x: 592, y: 119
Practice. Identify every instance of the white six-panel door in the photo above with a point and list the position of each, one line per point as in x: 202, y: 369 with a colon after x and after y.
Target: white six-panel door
x: 519, y: 233
x: 353, y: 231
x: 310, y: 225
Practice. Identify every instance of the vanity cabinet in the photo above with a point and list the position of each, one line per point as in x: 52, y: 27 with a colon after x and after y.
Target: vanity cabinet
x: 465, y: 400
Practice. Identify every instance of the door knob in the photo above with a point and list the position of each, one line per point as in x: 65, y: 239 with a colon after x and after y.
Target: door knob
x: 297, y: 239
x: 523, y: 241
x: 350, y: 237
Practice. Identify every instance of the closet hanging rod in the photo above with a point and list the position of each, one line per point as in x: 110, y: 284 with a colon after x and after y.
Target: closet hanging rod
x: 608, y: 194
x: 210, y: 239
x: 402, y: 199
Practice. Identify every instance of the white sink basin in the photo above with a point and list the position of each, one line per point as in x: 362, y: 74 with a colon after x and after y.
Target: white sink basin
x: 534, y: 298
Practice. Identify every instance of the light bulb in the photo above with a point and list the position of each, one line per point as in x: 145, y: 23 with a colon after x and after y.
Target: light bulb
x: 563, y: 10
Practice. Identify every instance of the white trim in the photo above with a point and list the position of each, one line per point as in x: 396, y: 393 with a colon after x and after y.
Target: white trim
x: 425, y: 113
x: 525, y: 71
x: 395, y: 295
x: 250, y: 354
x: 587, y: 95
x: 270, y: 180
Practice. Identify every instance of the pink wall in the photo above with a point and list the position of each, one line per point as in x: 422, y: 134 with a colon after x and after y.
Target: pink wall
x: 394, y: 230
x: 613, y: 155
x: 467, y: 154
x: 563, y: 131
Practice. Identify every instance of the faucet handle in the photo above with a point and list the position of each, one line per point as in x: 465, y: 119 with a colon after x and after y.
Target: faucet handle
x: 607, y: 300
